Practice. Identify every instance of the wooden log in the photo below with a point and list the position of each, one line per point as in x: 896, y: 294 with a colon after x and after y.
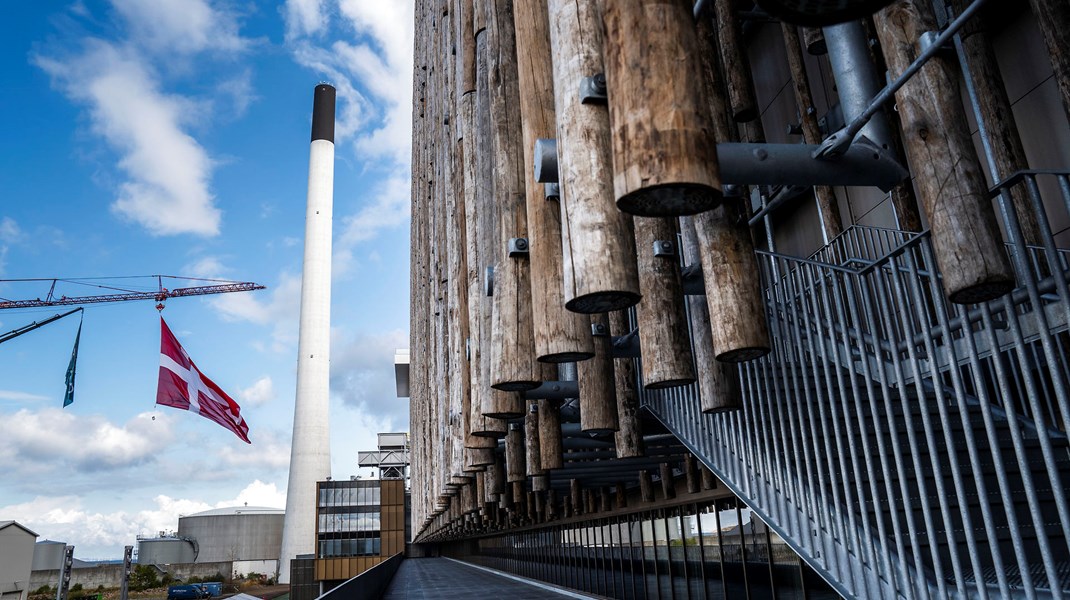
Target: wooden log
x: 603, y: 499
x: 827, y: 207
x: 514, y: 454
x: 965, y: 237
x: 601, y: 275
x: 646, y: 486
x: 742, y: 102
x: 709, y: 481
x: 576, y: 495
x: 1007, y: 154
x: 663, y: 338
x: 589, y: 503
x: 532, y: 453
x: 519, y: 497
x: 628, y: 439
x: 512, y: 330
x: 691, y: 474
x: 668, y: 484
x: 551, y: 504
x: 464, y: 46
x: 814, y: 40
x: 598, y: 402
x: 495, y: 478
x: 566, y: 507
x: 550, y: 449
x: 724, y: 242
x: 620, y: 496
x: 481, y: 457
x: 718, y: 382
x: 562, y: 335
x: 540, y: 483
x: 664, y: 156
x: 480, y: 227
x: 481, y: 489
x: 1052, y: 17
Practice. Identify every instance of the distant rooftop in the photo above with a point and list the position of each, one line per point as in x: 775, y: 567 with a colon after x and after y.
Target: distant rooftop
x: 239, y: 510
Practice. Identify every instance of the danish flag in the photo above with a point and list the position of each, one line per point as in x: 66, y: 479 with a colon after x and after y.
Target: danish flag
x: 183, y: 386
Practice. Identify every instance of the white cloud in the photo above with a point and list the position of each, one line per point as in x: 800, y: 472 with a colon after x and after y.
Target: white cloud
x: 281, y: 309
x: 261, y: 392
x: 168, y: 172
x: 362, y: 372
x: 270, y: 451
x: 10, y: 234
x: 389, y: 208
x: 181, y: 26
x: 21, y: 396
x: 304, y: 17
x: 55, y: 439
x: 103, y: 534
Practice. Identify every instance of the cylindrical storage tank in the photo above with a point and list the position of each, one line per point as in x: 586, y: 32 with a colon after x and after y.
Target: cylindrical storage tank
x: 165, y: 551
x: 235, y: 533
x: 48, y: 555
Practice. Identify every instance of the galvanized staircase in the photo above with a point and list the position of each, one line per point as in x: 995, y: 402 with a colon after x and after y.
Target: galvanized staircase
x: 904, y: 446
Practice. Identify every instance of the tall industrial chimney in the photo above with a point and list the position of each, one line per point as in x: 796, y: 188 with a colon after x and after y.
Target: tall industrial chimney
x: 310, y: 452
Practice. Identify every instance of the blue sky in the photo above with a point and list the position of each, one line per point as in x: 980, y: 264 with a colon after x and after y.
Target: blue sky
x: 171, y: 137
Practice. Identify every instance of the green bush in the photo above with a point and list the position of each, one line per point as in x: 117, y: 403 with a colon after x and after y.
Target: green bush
x: 143, y: 577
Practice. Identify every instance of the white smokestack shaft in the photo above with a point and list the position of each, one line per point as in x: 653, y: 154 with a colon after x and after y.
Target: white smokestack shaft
x: 310, y: 452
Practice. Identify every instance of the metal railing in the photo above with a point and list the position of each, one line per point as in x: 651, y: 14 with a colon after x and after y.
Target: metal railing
x: 905, y: 446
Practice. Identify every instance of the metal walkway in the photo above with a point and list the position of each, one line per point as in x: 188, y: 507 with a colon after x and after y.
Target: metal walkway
x: 444, y: 578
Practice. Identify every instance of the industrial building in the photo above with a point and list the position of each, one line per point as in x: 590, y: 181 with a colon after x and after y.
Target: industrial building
x: 725, y: 299
x: 360, y: 523
x: 16, y: 560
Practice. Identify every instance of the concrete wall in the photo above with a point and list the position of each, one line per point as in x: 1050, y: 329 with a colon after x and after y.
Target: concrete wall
x: 234, y: 537
x: 16, y: 561
x: 110, y: 576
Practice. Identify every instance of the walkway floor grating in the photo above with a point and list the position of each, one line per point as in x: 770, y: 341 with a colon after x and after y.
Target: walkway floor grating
x: 442, y: 578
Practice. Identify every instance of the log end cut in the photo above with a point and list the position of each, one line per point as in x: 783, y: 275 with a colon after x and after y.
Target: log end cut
x: 670, y: 200
x: 982, y: 292
x: 565, y: 357
x: 668, y: 383
x: 740, y: 355
x: 602, y: 302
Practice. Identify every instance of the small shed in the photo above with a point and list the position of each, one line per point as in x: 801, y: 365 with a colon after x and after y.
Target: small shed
x: 16, y: 560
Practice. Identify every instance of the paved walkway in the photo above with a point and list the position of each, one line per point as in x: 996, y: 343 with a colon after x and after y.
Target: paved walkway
x: 442, y: 578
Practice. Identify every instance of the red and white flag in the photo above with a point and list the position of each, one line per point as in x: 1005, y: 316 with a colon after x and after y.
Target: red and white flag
x: 184, y: 387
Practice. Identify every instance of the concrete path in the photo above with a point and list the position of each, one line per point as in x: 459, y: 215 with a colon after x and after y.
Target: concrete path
x: 443, y: 578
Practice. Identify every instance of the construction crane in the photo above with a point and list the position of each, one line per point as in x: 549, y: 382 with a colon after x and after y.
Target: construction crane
x: 160, y: 295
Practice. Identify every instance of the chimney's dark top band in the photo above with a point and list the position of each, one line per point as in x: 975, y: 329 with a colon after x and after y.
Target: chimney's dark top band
x: 323, y: 113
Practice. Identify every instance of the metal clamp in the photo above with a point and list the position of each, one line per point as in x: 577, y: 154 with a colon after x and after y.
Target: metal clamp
x: 599, y: 330
x: 664, y: 248
x: 546, y: 160
x: 518, y: 247
x: 593, y: 89
x: 552, y: 191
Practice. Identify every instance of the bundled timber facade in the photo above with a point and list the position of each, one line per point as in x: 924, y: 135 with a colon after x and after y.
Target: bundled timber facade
x: 710, y: 305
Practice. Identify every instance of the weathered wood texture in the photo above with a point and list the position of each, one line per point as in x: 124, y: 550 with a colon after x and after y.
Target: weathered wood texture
x: 532, y: 453
x: 1052, y: 18
x: 664, y: 156
x: 831, y: 225
x: 599, y: 271
x: 666, y: 348
x: 515, y: 464
x: 952, y: 188
x: 550, y: 449
x: 560, y: 335
x: 814, y: 40
x: 668, y: 483
x: 628, y: 440
x: 512, y: 335
x: 598, y: 402
x: 1007, y: 153
x: 740, y: 84
x: 718, y: 382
